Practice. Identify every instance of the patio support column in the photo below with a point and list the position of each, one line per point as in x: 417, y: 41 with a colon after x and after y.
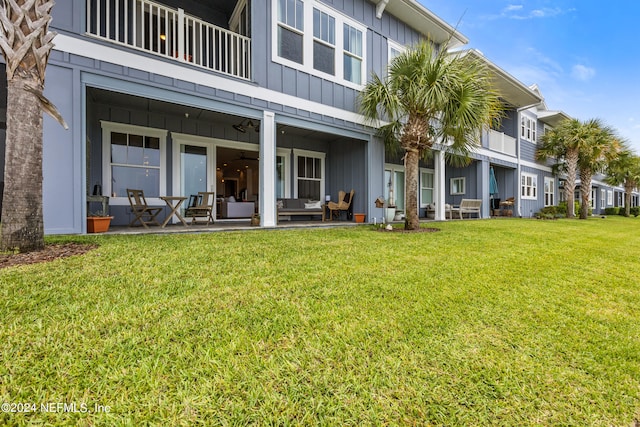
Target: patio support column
x: 439, y: 183
x: 483, y: 188
x: 267, y: 194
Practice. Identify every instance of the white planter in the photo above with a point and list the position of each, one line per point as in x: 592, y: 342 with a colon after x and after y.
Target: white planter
x: 389, y: 214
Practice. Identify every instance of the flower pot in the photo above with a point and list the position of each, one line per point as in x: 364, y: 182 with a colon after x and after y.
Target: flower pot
x: 98, y: 224
x: 389, y: 214
x: 359, y: 217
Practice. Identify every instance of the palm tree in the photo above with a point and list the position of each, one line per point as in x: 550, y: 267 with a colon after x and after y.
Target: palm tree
x: 601, y: 146
x: 563, y: 144
x: 625, y: 170
x: 25, y: 42
x: 430, y: 97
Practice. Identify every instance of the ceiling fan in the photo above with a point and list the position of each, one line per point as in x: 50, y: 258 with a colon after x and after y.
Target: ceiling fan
x: 244, y: 157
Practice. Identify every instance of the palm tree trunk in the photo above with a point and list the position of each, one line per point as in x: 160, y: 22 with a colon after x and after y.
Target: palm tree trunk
x: 22, y: 223
x: 411, y: 163
x: 585, y: 192
x: 628, y: 189
x: 26, y: 43
x: 570, y: 185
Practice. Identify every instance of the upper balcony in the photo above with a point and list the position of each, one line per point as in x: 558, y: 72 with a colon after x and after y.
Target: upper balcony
x: 500, y: 142
x: 174, y: 34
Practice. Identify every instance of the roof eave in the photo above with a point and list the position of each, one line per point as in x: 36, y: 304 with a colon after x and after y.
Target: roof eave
x: 513, y: 91
x: 424, y: 21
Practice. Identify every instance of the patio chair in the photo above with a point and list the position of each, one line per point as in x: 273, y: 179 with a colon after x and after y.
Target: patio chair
x: 144, y: 213
x: 201, y: 206
x: 343, y: 205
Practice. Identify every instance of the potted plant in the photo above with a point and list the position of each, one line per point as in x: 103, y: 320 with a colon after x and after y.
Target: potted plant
x: 255, y: 219
x: 98, y: 222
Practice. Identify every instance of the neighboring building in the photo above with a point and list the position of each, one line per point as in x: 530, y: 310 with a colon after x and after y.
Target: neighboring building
x: 255, y: 99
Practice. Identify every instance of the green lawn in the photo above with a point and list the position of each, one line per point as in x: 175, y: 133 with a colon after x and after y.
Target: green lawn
x: 496, y: 322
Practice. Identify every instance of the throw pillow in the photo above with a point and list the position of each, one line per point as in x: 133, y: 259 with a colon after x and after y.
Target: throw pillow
x: 313, y: 205
x: 280, y: 204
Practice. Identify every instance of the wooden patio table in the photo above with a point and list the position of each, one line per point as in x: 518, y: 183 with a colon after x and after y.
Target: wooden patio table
x: 173, y: 202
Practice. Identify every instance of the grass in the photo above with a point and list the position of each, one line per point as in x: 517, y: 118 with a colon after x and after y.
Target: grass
x: 498, y: 322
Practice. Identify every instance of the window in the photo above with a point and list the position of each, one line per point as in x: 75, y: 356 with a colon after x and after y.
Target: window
x: 324, y: 40
x: 549, y: 191
x: 457, y: 186
x: 426, y: 188
x: 592, y: 200
x: 609, y: 198
x: 529, y: 186
x: 290, y: 30
x: 603, y: 199
x: 134, y: 157
x: 395, y: 49
x: 333, y: 49
x: 528, y: 128
x: 309, y: 175
x: 352, y: 54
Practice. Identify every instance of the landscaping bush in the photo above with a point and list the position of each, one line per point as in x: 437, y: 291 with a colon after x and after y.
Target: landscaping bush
x: 635, y: 211
x: 613, y: 211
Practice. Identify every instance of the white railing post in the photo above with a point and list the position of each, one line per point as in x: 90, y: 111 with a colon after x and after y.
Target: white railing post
x: 181, y: 35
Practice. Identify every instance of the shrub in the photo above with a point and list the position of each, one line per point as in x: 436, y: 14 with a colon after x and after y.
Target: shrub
x: 562, y: 208
x: 635, y: 211
x: 612, y: 211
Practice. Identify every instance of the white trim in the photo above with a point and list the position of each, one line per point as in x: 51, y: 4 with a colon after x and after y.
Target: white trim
x: 131, y: 60
x: 307, y: 43
x: 161, y: 134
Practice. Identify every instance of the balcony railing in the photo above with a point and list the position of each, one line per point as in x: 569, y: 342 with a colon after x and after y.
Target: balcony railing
x: 502, y: 143
x: 170, y: 33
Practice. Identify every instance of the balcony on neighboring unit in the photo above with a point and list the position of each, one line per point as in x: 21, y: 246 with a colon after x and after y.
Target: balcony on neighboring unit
x: 501, y: 143
x: 174, y: 34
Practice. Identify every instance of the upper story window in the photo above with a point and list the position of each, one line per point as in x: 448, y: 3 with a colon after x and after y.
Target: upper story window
x: 394, y: 49
x: 352, y: 54
x: 316, y: 47
x: 291, y: 30
x: 324, y: 41
x: 528, y: 128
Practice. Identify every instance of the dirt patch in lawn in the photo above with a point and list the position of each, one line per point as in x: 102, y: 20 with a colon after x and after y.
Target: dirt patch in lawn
x: 49, y: 253
x: 402, y: 230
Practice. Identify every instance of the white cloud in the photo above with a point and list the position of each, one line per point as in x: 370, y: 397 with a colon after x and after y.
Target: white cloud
x: 513, y: 7
x: 518, y: 12
x: 582, y: 72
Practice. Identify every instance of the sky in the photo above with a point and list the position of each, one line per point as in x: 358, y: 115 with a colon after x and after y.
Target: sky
x: 584, y: 55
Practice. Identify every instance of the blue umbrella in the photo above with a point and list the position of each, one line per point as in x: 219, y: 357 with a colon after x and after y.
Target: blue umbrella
x: 493, y: 184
